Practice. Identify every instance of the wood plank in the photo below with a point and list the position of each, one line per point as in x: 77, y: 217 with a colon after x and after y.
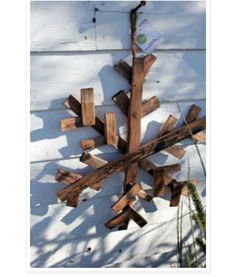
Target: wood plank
x: 87, y: 107
x: 127, y: 198
x: 110, y: 129
x: 127, y: 212
x: 134, y: 116
x: 193, y: 113
x: 124, y: 69
x: 151, y: 167
x: 92, y: 160
x: 176, y: 151
x: 142, y: 194
x: 132, y: 158
x: 167, y: 126
x: 122, y: 101
x: 149, y: 105
x: 149, y: 60
x: 185, y: 191
x: 87, y: 144
x: 69, y: 124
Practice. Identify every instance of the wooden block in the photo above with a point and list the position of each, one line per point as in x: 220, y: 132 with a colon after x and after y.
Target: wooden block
x: 151, y: 168
x: 200, y: 137
x: 124, y: 69
x: 176, y: 190
x: 149, y: 60
x: 167, y: 126
x: 122, y: 101
x: 159, y: 188
x: 126, y: 198
x: 193, y: 113
x: 92, y: 143
x: 142, y: 194
x: 110, y: 129
x: 68, y: 124
x: 87, y: 107
x: 176, y: 151
x: 92, y: 160
x: 127, y: 212
x: 149, y: 105
x: 67, y: 177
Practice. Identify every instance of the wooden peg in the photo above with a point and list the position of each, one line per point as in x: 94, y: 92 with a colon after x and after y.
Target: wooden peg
x: 87, y: 107
x: 110, y: 129
x: 92, y: 143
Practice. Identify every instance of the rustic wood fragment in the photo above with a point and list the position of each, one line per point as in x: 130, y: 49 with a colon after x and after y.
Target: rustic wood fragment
x: 124, y: 69
x: 134, y: 116
x: 142, y: 194
x: 87, y: 107
x: 151, y: 168
x: 193, y: 113
x: 110, y: 129
x: 68, y: 124
x: 176, y: 151
x: 127, y: 212
x: 92, y: 143
x: 127, y: 198
x: 149, y: 105
x: 146, y: 150
x: 149, y: 60
x: 185, y: 191
x: 122, y: 101
x: 159, y: 187
x: 92, y: 160
x: 67, y: 177
x: 200, y: 137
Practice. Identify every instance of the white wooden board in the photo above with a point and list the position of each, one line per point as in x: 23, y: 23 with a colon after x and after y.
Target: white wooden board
x: 175, y: 76
x: 182, y: 24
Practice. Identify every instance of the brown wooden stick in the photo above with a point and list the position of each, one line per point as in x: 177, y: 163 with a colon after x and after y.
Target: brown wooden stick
x: 92, y: 143
x: 92, y: 160
x: 110, y: 129
x: 87, y: 107
x: 124, y: 69
x: 146, y: 150
x: 149, y: 106
x: 127, y: 198
x: 128, y: 212
x: 193, y: 113
x: 134, y: 117
x: 71, y: 123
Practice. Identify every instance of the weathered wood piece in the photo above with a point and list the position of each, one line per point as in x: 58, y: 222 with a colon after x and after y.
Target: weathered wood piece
x: 71, y: 123
x: 200, y: 137
x: 193, y: 113
x: 124, y: 69
x: 151, y: 168
x: 174, y: 150
x: 185, y: 191
x: 92, y: 143
x: 92, y: 160
x: 142, y: 194
x: 87, y: 106
x: 110, y: 129
x: 127, y: 198
x: 146, y: 150
x: 149, y: 60
x: 127, y: 212
x: 134, y: 116
x: 148, y: 106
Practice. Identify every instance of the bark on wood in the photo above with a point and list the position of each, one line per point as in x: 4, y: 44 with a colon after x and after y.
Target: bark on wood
x: 87, y: 106
x: 148, y: 106
x: 193, y: 113
x: 92, y: 143
x: 134, y: 116
x: 127, y: 198
x: 68, y: 124
x: 110, y: 129
x: 146, y: 150
x: 128, y: 212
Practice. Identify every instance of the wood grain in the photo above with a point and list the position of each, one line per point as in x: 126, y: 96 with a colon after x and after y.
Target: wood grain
x: 110, y: 129
x: 69, y: 124
x: 87, y: 144
x: 87, y: 107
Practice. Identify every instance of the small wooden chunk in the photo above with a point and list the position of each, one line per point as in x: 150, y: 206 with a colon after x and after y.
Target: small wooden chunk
x: 68, y: 124
x: 176, y: 151
x: 193, y: 113
x: 110, y: 129
x: 122, y: 101
x: 92, y: 143
x: 126, y: 213
x: 124, y: 69
x: 126, y: 198
x: 200, y: 137
x: 159, y: 188
x: 67, y: 177
x: 149, y: 106
x: 167, y: 126
x: 92, y: 160
x: 149, y: 60
x: 87, y: 107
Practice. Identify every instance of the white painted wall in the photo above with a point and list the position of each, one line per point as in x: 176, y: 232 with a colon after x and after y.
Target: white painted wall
x: 69, y: 52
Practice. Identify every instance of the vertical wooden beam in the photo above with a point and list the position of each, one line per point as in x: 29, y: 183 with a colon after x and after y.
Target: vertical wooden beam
x: 134, y: 116
x: 110, y: 129
x: 87, y: 107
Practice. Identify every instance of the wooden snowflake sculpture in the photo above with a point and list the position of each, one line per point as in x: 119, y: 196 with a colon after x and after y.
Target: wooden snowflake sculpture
x: 135, y: 155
